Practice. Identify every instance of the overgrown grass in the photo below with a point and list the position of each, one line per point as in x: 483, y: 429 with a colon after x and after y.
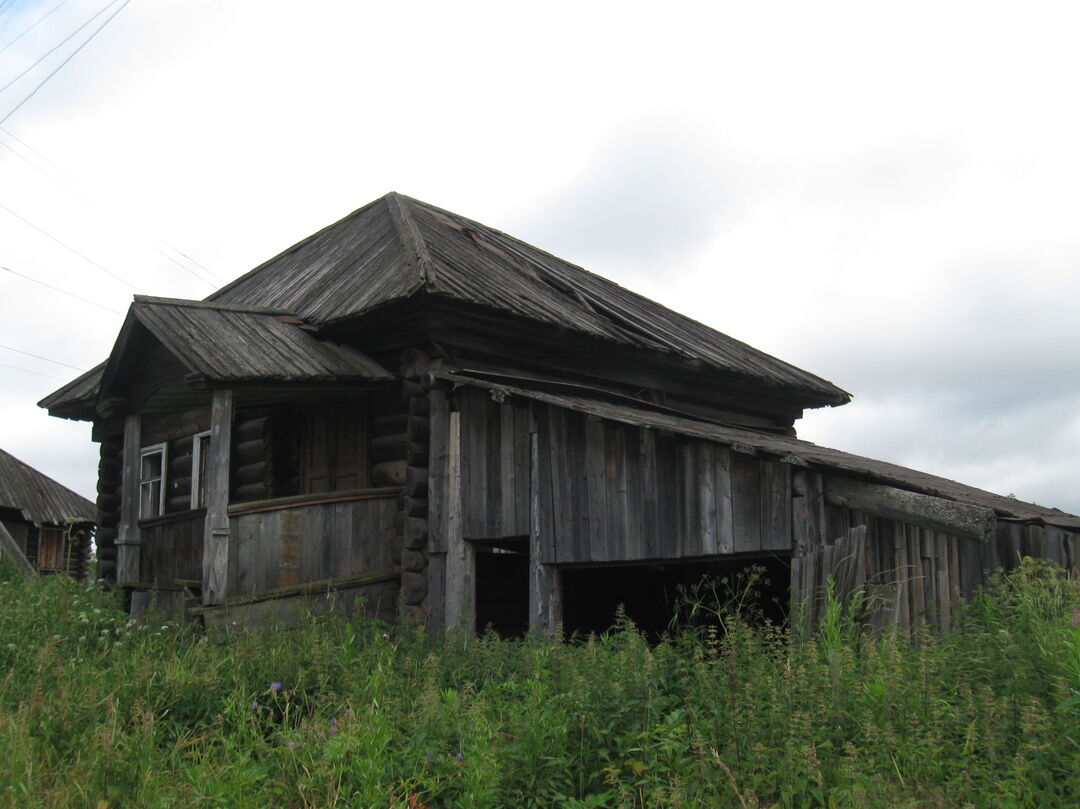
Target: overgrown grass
x: 98, y: 712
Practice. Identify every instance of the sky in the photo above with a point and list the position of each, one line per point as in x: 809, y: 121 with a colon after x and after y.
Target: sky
x: 887, y: 195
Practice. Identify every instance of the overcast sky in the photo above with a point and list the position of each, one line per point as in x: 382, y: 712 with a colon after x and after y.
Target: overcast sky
x: 883, y: 194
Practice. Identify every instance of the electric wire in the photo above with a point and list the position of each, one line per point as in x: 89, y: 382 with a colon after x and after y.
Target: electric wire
x: 57, y: 47
x: 61, y: 291
x: 34, y: 25
x: 39, y: 357
x: 85, y: 258
x: 75, y: 193
x: 70, y: 56
x: 35, y: 373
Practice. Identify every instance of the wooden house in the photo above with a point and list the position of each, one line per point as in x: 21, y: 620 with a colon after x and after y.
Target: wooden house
x: 44, y: 526
x: 421, y: 410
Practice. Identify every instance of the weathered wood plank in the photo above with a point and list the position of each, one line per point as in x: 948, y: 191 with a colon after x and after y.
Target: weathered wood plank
x: 436, y: 597
x: 128, y: 540
x: 216, y: 550
x: 545, y: 591
x: 508, y: 522
x: 725, y: 528
x: 596, y: 549
x: 551, y: 435
x: 633, y: 497
x: 650, y: 514
x: 439, y: 415
x: 705, y: 483
x: 746, y: 502
x: 615, y: 492
x: 460, y: 556
x: 775, y: 506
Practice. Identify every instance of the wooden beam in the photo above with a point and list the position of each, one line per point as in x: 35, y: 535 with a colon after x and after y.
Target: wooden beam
x: 10, y: 549
x: 936, y: 513
x: 216, y: 535
x: 128, y: 539
x: 545, y: 581
x: 460, y: 555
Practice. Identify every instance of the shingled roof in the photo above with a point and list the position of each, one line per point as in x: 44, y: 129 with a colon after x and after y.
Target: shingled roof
x: 40, y: 499
x: 397, y: 247
x: 230, y: 343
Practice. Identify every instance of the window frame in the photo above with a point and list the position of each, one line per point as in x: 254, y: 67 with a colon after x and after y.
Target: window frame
x: 161, y: 449
x: 198, y: 496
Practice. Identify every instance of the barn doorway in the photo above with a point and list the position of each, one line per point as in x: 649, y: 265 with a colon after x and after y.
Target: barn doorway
x: 649, y: 594
x: 502, y: 589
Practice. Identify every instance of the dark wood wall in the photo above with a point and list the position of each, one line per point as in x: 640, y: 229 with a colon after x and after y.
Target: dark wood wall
x: 612, y: 492
x: 910, y: 573
x: 284, y: 547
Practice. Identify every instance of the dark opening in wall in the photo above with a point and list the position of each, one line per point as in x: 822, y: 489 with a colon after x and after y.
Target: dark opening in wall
x: 502, y: 591
x: 649, y: 593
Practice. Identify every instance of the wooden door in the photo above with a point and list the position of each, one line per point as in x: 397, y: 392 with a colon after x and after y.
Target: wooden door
x: 333, y: 447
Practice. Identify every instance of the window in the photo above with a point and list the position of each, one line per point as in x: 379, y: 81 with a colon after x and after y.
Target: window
x: 199, y: 458
x: 152, y: 482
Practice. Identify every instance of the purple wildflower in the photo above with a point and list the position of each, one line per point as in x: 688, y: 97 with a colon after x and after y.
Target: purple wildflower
x: 1076, y: 618
x: 255, y: 704
x: 275, y: 687
x: 459, y: 756
x: 333, y: 726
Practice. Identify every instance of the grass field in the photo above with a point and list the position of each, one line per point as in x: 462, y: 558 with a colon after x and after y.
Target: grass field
x: 100, y: 712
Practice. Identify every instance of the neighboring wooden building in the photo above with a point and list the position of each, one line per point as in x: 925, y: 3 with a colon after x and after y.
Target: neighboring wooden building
x: 50, y: 524
x: 419, y: 409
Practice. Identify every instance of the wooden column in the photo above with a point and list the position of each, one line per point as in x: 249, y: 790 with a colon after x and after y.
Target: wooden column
x: 216, y: 548
x: 128, y: 540
x: 460, y: 555
x: 545, y: 581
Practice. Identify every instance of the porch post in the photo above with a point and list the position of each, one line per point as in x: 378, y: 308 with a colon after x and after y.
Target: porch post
x: 216, y: 532
x: 460, y: 555
x: 545, y: 582
x: 128, y: 540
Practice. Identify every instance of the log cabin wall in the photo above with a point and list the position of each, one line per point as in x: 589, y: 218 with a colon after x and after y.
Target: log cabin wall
x: 110, y: 469
x: 255, y: 468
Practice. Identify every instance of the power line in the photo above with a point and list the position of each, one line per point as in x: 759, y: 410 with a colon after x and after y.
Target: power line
x: 89, y: 260
x: 56, y: 47
x: 74, y: 192
x: 4, y: 5
x: 61, y: 291
x: 35, y: 373
x: 209, y: 272
x: 39, y: 357
x: 35, y: 25
x: 68, y: 59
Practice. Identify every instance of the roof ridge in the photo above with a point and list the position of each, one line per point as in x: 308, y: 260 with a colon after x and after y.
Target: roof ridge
x: 221, y: 307
x: 409, y: 235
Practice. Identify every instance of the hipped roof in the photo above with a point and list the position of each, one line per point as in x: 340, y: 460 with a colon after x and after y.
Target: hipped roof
x: 793, y: 450
x: 397, y: 247
x: 40, y: 499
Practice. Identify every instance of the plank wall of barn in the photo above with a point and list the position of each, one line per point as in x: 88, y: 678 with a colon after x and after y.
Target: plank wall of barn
x: 608, y: 492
